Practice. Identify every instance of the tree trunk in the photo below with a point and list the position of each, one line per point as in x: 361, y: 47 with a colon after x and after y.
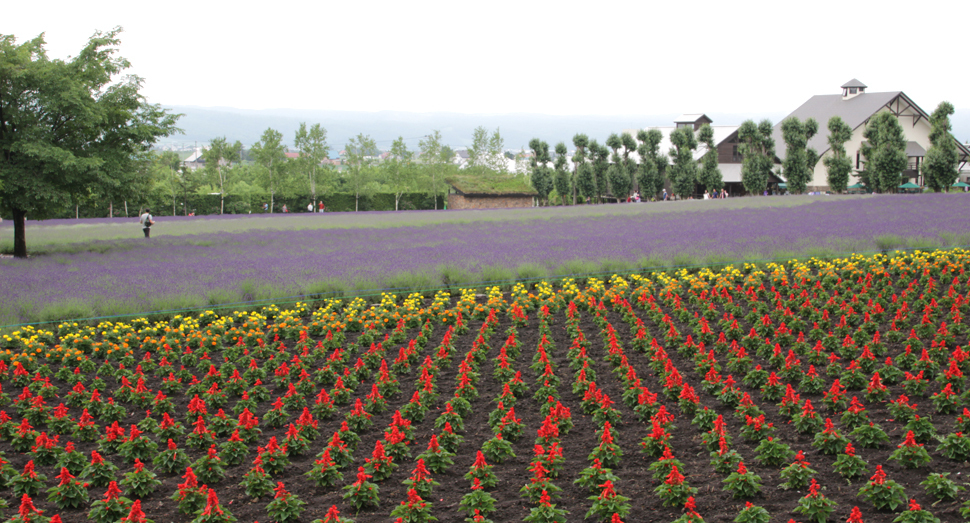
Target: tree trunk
x: 397, y: 198
x: 77, y: 212
x: 356, y: 201
x: 19, y: 234
x: 111, y: 209
x: 434, y: 192
x: 126, y: 208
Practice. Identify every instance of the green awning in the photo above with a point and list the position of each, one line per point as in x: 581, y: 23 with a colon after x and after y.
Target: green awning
x: 960, y: 184
x: 783, y: 185
x: 856, y: 186
x: 909, y: 185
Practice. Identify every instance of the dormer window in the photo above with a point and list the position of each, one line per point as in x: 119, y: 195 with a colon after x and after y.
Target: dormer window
x: 853, y: 90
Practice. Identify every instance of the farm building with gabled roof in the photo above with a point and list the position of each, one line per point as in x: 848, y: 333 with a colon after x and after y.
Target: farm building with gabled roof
x: 856, y: 107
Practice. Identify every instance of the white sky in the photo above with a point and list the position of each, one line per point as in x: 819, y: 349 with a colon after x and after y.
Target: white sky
x: 633, y: 57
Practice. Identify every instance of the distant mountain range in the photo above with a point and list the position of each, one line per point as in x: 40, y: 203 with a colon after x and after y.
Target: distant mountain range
x: 202, y: 124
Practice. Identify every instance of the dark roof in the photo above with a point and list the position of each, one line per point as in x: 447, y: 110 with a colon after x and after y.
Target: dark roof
x: 854, y: 83
x: 854, y: 111
x: 914, y: 149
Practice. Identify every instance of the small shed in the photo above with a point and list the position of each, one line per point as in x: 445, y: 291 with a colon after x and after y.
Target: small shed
x: 489, y: 191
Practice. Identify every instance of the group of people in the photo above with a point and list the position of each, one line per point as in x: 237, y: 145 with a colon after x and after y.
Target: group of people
x: 309, y: 207
x: 715, y: 195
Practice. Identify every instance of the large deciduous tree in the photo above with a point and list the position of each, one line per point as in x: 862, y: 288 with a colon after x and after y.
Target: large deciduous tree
x: 940, y: 166
x: 758, y: 148
x: 399, y: 170
x: 652, y: 163
x: 600, y: 155
x: 311, y: 143
x: 270, y: 153
x: 70, y: 128
x: 710, y: 176
x: 800, y: 160
x: 435, y: 157
x: 221, y: 152
x: 838, y: 165
x: 360, y: 153
x: 885, y: 152
x: 683, y: 172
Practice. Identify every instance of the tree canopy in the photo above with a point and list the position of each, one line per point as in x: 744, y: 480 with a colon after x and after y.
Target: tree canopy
x: 683, y: 172
x: 885, y: 152
x: 838, y: 165
x: 71, y: 130
x: 758, y: 148
x: 710, y: 176
x: 800, y: 160
x: 940, y: 166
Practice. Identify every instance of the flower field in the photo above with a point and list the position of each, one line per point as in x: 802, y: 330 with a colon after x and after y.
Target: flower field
x: 813, y: 391
x: 207, y: 261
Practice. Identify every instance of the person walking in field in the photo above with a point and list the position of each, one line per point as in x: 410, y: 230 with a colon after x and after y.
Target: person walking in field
x: 309, y: 207
x: 322, y: 206
x: 146, y: 220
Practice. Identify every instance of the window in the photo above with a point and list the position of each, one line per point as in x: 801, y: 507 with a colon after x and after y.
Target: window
x: 735, y: 155
x: 858, y: 163
x: 853, y: 90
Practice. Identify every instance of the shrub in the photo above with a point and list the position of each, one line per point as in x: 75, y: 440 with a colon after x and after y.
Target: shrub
x: 955, y: 446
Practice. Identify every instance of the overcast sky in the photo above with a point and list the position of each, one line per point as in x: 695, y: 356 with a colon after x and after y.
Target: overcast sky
x: 571, y: 58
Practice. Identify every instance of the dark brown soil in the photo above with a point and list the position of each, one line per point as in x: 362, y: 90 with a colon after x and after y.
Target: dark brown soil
x: 636, y: 482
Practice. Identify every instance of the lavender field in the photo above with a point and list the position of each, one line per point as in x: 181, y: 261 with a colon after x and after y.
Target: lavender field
x: 227, y: 260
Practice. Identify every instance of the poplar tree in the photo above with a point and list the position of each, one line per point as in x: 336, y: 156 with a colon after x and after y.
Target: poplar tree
x: 652, y: 163
x: 710, y: 176
x: 940, y: 166
x: 838, y: 165
x: 360, y: 151
x: 758, y: 148
x: 683, y: 172
x: 800, y: 160
x: 562, y: 181
x: 581, y: 142
x: 885, y: 152
x: 541, y: 177
x: 617, y: 177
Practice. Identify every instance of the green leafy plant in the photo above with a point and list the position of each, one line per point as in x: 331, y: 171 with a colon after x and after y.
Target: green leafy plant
x: 69, y: 493
x: 674, y: 490
x: 797, y: 474
x: 910, y: 454
x: 546, y: 512
x: 815, y: 506
x: 481, y: 470
x: 213, y: 512
x: 916, y: 514
x: 869, y: 435
x: 955, y: 446
x: 256, y: 482
x: 772, y: 453
x: 477, y: 501
x: 743, y: 483
x: 608, y: 503
x: 941, y: 487
x: 848, y: 465
x: 285, y: 507
x: 883, y: 493
x: 362, y: 493
x: 140, y: 482
x: 110, y: 509
x: 752, y: 514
